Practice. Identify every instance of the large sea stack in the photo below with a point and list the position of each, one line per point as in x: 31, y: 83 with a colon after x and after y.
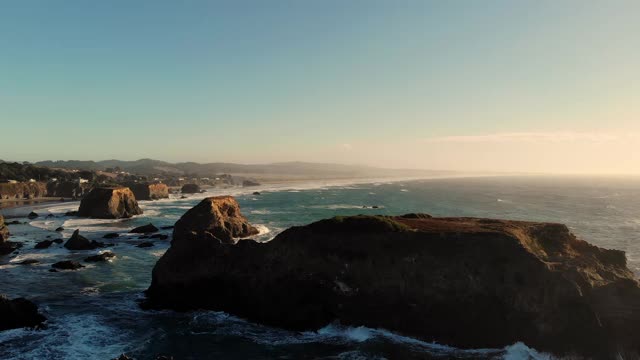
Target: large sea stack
x: 146, y: 191
x: 109, y: 203
x: 466, y: 282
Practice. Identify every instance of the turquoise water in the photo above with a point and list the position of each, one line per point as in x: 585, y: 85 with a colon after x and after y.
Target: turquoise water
x: 93, y: 312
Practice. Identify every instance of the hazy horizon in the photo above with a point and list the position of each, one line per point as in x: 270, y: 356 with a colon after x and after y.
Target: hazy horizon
x: 529, y: 87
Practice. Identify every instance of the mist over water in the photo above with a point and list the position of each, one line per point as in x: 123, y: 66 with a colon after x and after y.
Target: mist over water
x: 93, y: 312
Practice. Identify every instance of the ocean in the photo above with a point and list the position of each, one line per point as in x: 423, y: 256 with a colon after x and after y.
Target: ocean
x: 93, y: 313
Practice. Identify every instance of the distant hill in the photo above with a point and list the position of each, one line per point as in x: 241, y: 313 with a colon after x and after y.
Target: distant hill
x: 150, y: 167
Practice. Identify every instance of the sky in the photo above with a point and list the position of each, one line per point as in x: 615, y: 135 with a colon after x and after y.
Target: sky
x: 527, y: 86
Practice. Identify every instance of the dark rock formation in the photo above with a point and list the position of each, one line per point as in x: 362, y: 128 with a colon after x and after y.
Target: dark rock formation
x: 170, y: 227
x: 59, y: 229
x: 32, y: 215
x: 109, y: 203
x: 19, y: 313
x: 58, y: 241
x: 215, y: 217
x: 146, y: 191
x: 190, y: 189
x: 145, y: 229
x: 159, y: 236
x: 471, y: 283
x: 29, y: 262
x: 6, y: 246
x: 43, y: 244
x: 67, y: 265
x: 256, y: 193
x: 145, y: 244
x: 111, y: 236
x: 71, y: 213
x: 248, y: 183
x: 79, y: 242
x: 105, y: 256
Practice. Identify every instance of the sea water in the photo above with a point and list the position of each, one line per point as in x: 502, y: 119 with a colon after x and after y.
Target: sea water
x: 93, y: 312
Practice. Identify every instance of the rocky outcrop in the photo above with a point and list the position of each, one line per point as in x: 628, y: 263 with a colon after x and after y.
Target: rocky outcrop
x: 105, y: 256
x: 466, y: 282
x: 23, y: 190
x: 79, y: 242
x: 216, y: 217
x: 19, y: 313
x: 146, y: 191
x: 190, y: 189
x: 109, y: 203
x: 144, y: 229
x: 67, y: 189
x: 6, y: 246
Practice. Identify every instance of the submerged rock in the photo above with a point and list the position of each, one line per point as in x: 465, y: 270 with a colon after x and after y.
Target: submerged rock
x: 145, y: 244
x: 159, y: 236
x: 465, y: 282
x: 32, y: 215
x: 105, y: 256
x: 59, y: 229
x: 109, y: 203
x: 19, y: 313
x: 43, y: 244
x: 190, y: 189
x: 145, y: 229
x: 67, y: 265
x: 111, y: 236
x: 79, y: 242
x: 29, y: 262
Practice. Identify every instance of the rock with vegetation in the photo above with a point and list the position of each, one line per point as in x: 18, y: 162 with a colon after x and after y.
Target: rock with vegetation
x: 109, y: 203
x: 19, y: 313
x: 465, y: 282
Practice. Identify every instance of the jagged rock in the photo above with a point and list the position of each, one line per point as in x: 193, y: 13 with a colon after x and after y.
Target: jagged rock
x: 109, y: 203
x: 67, y: 265
x: 145, y: 229
x: 190, y: 189
x: 105, y: 256
x: 216, y: 217
x: 79, y: 242
x: 146, y: 191
x: 465, y: 282
x: 43, y: 244
x: 145, y: 244
x: 111, y: 236
x: 19, y: 313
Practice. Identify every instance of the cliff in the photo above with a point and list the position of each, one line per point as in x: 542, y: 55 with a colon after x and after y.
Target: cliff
x: 466, y: 282
x: 109, y: 203
x: 23, y: 190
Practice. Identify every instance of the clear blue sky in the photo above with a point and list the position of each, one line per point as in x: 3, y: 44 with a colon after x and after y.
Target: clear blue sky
x: 445, y: 84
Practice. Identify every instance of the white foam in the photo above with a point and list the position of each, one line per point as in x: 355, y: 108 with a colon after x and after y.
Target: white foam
x: 520, y: 351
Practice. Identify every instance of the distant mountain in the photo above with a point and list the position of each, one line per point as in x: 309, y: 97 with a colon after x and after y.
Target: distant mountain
x: 150, y: 167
